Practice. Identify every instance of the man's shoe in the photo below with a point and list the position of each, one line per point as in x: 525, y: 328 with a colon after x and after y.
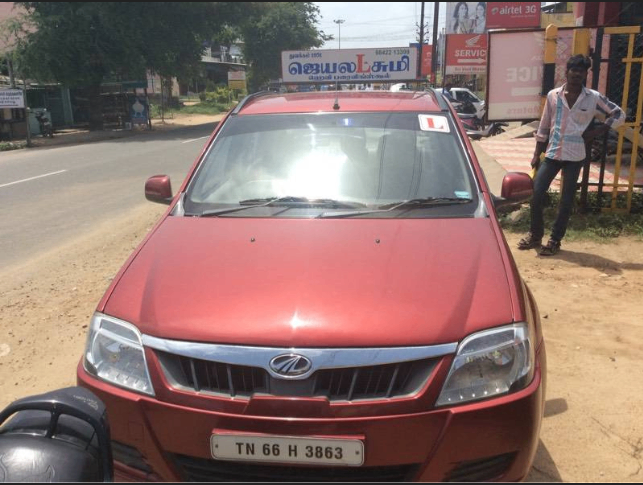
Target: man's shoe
x: 551, y: 248
x: 529, y: 242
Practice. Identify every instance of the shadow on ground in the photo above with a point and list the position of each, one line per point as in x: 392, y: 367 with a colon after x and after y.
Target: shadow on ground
x: 543, y: 469
x: 599, y: 263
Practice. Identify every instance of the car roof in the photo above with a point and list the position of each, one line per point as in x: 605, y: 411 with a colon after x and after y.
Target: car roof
x: 315, y: 102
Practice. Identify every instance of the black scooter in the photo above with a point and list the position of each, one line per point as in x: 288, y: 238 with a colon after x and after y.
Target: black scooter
x: 60, y: 436
x: 46, y: 128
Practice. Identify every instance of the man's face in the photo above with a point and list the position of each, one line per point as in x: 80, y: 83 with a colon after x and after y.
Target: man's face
x: 576, y: 75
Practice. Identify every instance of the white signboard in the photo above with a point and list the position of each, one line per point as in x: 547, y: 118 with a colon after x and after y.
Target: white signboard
x: 12, y: 98
x: 236, y: 75
x: 515, y: 75
x: 350, y: 65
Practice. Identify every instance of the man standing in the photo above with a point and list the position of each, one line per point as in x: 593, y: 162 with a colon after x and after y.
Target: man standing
x: 562, y: 135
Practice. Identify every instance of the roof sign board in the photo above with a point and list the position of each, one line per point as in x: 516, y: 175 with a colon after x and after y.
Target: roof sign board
x: 349, y: 65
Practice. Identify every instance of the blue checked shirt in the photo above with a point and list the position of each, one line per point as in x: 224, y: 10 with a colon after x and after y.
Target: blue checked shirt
x: 564, y: 127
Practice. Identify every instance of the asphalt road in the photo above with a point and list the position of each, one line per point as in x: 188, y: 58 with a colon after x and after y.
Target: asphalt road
x: 50, y: 195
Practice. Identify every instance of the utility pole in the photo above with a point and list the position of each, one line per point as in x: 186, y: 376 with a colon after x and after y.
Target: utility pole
x: 419, y: 70
x: 339, y: 23
x: 434, y: 47
x: 24, y: 93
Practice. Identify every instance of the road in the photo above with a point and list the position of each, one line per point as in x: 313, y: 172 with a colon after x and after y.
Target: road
x: 51, y: 195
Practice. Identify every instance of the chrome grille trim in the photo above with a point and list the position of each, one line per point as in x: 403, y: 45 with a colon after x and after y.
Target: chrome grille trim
x: 327, y: 358
x: 388, y: 381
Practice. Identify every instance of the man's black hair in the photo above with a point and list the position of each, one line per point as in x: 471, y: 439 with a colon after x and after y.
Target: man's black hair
x: 579, y: 61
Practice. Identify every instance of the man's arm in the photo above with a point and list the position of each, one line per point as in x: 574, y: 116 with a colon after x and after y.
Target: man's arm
x: 542, y: 135
x: 614, y: 117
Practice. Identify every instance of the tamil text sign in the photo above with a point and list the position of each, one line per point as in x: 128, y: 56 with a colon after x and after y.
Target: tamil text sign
x: 513, y: 15
x: 515, y: 75
x: 350, y: 65
x: 12, y: 98
x: 466, y: 54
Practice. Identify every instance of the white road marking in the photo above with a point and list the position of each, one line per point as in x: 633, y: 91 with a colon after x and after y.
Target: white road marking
x: 189, y: 141
x: 32, y: 178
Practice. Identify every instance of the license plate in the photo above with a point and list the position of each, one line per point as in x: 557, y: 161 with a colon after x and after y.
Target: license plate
x: 287, y: 449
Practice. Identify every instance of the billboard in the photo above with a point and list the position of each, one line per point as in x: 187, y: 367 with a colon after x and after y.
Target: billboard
x: 515, y: 75
x: 466, y: 17
x: 466, y: 54
x: 427, y: 56
x: 513, y: 15
x: 350, y: 65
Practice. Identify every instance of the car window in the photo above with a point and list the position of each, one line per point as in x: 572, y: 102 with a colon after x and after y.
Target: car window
x: 367, y: 158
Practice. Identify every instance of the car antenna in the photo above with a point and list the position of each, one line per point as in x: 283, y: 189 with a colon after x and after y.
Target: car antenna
x: 336, y: 105
x: 339, y: 23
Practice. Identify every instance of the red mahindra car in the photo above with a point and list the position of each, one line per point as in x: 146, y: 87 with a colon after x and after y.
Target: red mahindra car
x: 328, y: 297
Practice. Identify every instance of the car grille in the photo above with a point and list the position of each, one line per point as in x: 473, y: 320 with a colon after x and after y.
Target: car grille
x: 204, y: 470
x: 481, y: 470
x: 342, y: 384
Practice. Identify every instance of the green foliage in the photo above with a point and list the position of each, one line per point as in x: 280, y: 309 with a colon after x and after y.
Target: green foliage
x: 79, y: 43
x: 206, y: 108
x: 592, y: 224
x: 5, y: 146
x: 210, y: 86
x: 269, y: 28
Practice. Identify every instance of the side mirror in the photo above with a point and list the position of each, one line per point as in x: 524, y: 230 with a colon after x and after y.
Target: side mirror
x: 517, y: 187
x: 159, y: 189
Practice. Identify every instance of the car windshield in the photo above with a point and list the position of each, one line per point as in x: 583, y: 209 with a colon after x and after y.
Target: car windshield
x: 309, y: 165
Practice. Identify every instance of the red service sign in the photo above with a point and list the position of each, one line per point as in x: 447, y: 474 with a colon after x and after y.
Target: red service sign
x: 427, y: 51
x: 466, y: 53
x: 513, y: 15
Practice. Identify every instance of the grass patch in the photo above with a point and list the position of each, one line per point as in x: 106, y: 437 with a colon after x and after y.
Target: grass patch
x: 591, y: 225
x: 5, y: 146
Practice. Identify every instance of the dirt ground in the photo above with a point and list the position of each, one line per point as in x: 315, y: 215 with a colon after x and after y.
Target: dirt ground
x: 589, y: 295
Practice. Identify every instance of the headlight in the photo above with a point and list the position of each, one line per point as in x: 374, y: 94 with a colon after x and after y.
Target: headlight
x: 115, y: 354
x: 488, y: 364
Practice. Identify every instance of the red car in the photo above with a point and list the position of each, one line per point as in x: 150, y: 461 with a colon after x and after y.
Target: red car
x: 328, y: 297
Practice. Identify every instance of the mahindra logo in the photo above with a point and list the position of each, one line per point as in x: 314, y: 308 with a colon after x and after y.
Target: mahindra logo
x: 290, y: 365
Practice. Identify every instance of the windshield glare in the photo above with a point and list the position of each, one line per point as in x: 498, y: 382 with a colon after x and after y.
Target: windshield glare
x: 371, y: 159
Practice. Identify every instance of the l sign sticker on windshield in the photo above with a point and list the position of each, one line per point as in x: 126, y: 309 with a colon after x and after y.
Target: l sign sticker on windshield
x: 433, y: 123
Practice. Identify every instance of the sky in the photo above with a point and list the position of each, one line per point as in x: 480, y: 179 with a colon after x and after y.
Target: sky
x: 377, y: 24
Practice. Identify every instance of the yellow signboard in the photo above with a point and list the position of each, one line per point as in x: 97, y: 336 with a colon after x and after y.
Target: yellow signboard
x: 236, y: 84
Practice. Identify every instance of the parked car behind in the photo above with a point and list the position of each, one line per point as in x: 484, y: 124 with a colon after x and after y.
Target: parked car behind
x: 329, y: 296
x: 464, y: 95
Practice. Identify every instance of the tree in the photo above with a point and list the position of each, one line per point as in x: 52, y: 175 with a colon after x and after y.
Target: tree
x: 80, y: 43
x: 267, y: 29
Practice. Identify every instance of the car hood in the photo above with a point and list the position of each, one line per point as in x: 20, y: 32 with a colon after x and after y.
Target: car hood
x: 315, y: 282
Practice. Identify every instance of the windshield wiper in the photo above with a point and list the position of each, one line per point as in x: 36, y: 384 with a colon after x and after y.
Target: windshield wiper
x: 407, y: 204
x: 287, y: 199
x: 426, y: 201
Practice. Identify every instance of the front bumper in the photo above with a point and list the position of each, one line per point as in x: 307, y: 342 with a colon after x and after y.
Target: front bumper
x: 489, y: 440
